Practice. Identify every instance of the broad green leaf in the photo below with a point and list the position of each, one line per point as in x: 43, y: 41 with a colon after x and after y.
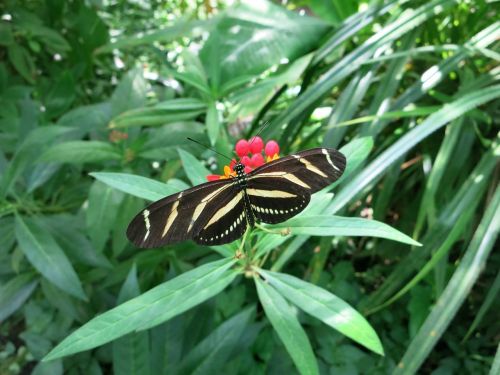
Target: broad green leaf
x: 326, y: 225
x: 103, y: 205
x: 326, y: 307
x: 14, y: 293
x: 68, y: 233
x: 195, y: 171
x: 130, y: 93
x: 284, y: 321
x: 408, y: 21
x: 53, y: 41
x: 215, y: 350
x: 245, y: 42
x: 139, y: 186
x: 87, y: 118
x: 81, y: 152
x: 61, y: 95
x: 456, y: 291
x: 46, y: 256
x: 131, y: 352
x: 28, y: 151
x: 149, y: 309
x: 173, y: 110
x: 21, y: 59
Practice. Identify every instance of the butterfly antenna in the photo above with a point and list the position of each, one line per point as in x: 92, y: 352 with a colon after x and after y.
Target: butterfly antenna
x: 260, y: 131
x: 210, y: 148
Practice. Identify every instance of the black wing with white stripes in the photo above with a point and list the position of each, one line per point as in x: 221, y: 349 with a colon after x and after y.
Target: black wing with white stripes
x: 219, y: 212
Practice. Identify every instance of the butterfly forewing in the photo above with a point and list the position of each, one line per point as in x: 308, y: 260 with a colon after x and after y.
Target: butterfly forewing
x: 174, y: 218
x: 311, y: 170
x: 274, y: 201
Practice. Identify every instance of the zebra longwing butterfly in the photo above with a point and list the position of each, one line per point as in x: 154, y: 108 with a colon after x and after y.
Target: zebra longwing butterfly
x: 218, y: 212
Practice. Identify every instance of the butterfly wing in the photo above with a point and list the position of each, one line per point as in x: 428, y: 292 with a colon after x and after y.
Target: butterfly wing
x: 175, y: 218
x: 224, y: 221
x: 281, y: 189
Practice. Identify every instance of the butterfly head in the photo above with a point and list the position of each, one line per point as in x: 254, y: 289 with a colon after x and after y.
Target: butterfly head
x: 240, y: 169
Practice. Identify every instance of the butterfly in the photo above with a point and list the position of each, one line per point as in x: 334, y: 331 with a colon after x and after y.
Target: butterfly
x: 219, y: 212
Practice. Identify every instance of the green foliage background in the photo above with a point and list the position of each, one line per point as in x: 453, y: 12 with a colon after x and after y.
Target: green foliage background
x: 96, y: 101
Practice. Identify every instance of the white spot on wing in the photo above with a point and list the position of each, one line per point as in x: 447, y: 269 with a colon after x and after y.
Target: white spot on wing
x: 145, y: 213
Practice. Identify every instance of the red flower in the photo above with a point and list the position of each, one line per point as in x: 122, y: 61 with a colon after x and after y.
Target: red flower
x: 254, y: 146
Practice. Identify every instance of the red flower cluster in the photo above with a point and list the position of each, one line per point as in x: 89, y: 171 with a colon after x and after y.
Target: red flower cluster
x: 250, y: 153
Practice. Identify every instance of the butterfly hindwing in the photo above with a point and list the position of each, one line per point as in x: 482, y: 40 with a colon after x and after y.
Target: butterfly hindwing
x: 274, y: 201
x: 174, y: 218
x: 224, y: 221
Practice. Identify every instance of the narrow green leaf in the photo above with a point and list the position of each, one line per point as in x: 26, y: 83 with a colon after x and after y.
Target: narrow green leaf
x: 489, y: 300
x: 181, y: 27
x: 76, y: 152
x: 456, y: 291
x: 131, y: 352
x: 406, y: 22
x: 195, y: 171
x: 325, y: 225
x: 103, y: 205
x: 173, y: 110
x: 215, y: 350
x: 284, y: 321
x: 434, y: 122
x: 14, y: 293
x: 149, y: 309
x: 139, y: 186
x: 495, y: 367
x: 46, y: 256
x: 326, y: 307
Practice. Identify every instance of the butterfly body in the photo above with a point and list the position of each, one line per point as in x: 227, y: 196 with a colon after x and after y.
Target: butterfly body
x: 219, y: 212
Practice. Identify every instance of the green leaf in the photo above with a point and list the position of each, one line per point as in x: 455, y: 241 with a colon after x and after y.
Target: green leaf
x: 21, y: 59
x: 211, y: 354
x: 131, y: 352
x: 169, y: 111
x: 46, y: 256
x: 61, y: 95
x: 102, y: 209
x: 68, y: 233
x: 326, y: 225
x: 245, y: 42
x: 130, y: 93
x: 80, y: 152
x: 456, y: 291
x: 326, y: 307
x: 181, y: 27
x: 284, y: 321
x: 212, y: 122
x: 139, y: 186
x: 195, y: 171
x: 149, y: 309
x: 14, y: 293
x: 407, y: 22
x: 438, y: 119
